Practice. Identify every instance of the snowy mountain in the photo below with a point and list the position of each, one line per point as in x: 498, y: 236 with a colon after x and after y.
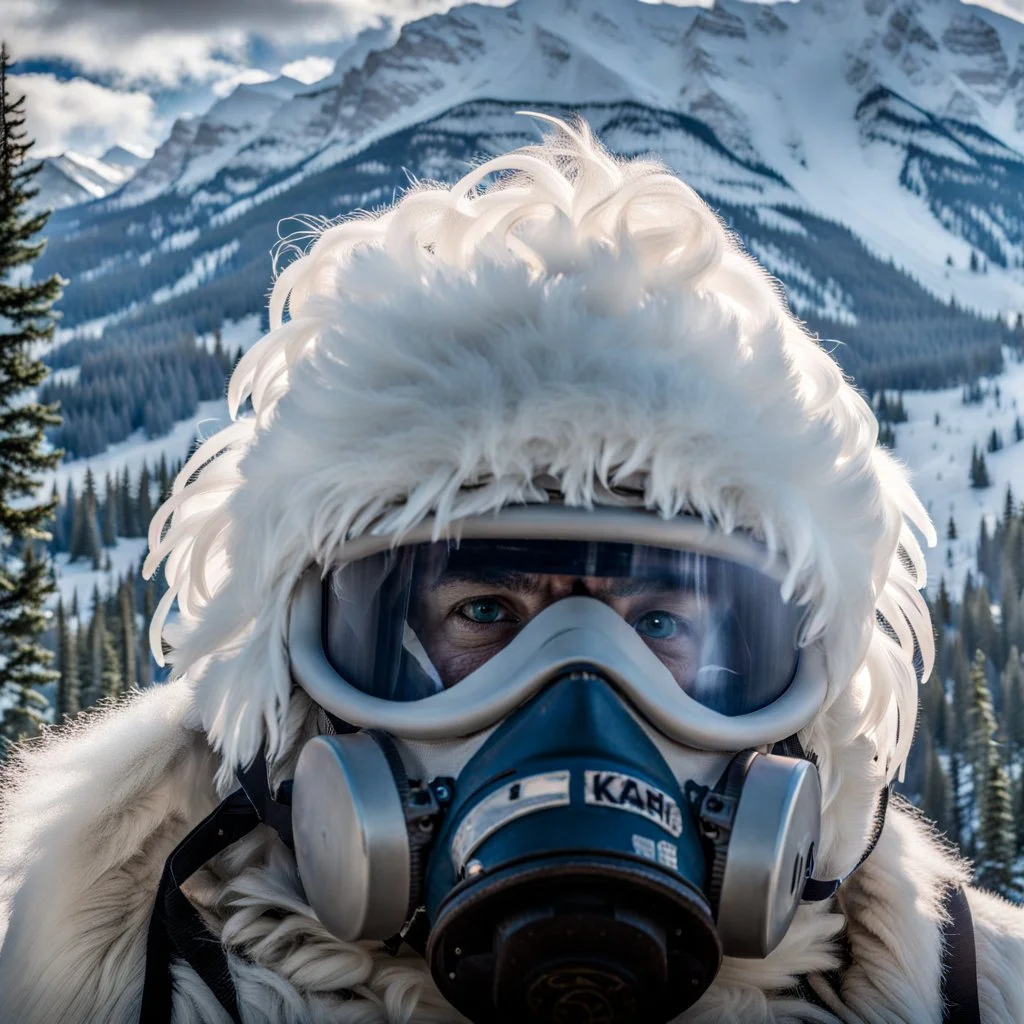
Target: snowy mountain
x: 784, y: 86
x: 72, y: 178
x: 869, y: 153
x: 198, y: 148
x: 129, y: 157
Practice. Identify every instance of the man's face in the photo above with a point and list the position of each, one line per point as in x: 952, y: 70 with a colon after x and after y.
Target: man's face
x: 463, y: 619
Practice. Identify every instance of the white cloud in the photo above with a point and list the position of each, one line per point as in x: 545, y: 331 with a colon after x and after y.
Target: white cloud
x: 309, y: 69
x: 81, y: 115
x: 101, y: 47
x: 147, y: 42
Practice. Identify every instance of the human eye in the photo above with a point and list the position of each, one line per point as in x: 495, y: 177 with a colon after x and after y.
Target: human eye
x: 659, y: 624
x: 484, y: 611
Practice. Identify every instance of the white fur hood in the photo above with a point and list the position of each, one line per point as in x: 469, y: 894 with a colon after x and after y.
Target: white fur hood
x: 580, y: 320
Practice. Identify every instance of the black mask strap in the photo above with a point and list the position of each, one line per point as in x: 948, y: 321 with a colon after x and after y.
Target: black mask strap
x: 177, y: 930
x: 175, y: 927
x: 818, y: 889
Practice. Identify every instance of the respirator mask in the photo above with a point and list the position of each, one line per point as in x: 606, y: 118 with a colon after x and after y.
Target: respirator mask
x: 553, y: 769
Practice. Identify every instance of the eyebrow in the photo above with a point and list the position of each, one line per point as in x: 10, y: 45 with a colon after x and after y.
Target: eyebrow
x: 530, y: 583
x: 516, y: 582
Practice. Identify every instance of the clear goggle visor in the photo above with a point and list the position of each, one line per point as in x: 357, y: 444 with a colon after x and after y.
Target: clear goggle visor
x: 409, y: 622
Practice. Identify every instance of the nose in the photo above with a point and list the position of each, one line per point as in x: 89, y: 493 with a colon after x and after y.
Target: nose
x: 574, y: 586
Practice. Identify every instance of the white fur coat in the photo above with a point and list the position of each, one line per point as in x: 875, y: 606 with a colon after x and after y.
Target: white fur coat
x: 95, y: 811
x: 558, y: 320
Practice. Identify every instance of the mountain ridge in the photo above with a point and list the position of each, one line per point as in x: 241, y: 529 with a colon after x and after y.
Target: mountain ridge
x: 876, y: 163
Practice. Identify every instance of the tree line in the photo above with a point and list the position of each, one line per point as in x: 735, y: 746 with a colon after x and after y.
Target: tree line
x: 966, y: 768
x: 88, y: 519
x: 120, y: 390
x: 103, y: 651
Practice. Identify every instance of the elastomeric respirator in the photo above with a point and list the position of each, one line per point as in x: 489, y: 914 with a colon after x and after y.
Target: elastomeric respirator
x: 553, y: 768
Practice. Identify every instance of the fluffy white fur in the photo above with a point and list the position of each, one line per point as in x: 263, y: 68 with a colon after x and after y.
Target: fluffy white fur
x: 581, y: 319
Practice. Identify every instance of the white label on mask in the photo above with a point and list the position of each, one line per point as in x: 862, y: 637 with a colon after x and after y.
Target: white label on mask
x: 513, y: 800
x: 644, y: 847
x: 668, y: 855
x: 625, y: 793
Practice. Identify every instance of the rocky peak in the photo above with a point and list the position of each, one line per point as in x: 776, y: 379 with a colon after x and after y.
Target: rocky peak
x: 717, y: 21
x: 982, y: 63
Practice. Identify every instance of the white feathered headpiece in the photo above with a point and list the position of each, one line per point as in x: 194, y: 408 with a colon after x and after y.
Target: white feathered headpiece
x: 582, y: 318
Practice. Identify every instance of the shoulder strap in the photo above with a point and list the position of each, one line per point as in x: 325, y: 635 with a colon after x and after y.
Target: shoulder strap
x: 959, y: 961
x: 959, y: 986
x: 175, y: 927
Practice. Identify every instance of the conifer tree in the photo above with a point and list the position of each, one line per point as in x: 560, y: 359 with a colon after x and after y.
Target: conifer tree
x: 85, y: 535
x: 127, y: 633
x: 25, y: 661
x: 81, y: 642
x: 933, y: 707
x: 979, y: 477
x: 983, y: 552
x: 981, y: 747
x: 129, y: 519
x: 987, y: 635
x: 996, y: 847
x: 943, y: 606
x: 1018, y: 817
x: 951, y: 533
x: 956, y: 788
x: 960, y: 673
x: 68, y: 693
x: 1009, y: 609
x: 937, y: 796
x: 26, y: 322
x: 112, y: 684
x: 967, y: 640
x: 164, y: 477
x: 91, y: 661
x: 1013, y: 702
x: 58, y: 541
x: 144, y: 502
x: 68, y: 512
x: 109, y: 513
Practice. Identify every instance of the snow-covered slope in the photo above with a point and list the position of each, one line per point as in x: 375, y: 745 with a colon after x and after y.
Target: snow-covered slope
x: 73, y: 178
x: 936, y: 443
x: 792, y: 86
x: 127, y: 156
x: 197, y: 148
x: 868, y: 152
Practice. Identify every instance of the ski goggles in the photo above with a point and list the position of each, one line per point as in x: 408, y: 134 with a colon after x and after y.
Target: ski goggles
x: 433, y: 639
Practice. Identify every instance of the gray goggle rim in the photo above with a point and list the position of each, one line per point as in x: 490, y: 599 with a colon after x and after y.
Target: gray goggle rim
x: 573, y: 630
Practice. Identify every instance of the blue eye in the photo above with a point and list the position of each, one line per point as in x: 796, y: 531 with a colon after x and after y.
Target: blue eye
x: 657, y: 625
x: 483, y: 611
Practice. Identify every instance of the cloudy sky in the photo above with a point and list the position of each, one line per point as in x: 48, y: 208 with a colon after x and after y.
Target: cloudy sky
x: 98, y: 72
